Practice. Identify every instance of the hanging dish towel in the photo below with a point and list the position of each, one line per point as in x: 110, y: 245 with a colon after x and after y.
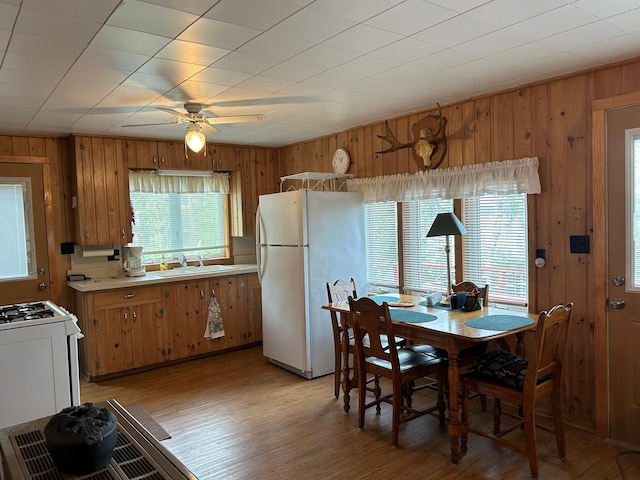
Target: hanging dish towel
x: 215, y: 328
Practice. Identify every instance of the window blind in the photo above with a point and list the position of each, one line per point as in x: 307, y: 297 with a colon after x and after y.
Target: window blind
x: 381, y: 223
x: 424, y: 259
x: 494, y: 250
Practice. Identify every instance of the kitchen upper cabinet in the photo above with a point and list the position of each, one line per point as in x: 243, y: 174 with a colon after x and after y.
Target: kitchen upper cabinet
x: 141, y: 154
x: 101, y: 192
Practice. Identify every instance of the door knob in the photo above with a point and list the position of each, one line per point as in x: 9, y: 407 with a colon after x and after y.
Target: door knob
x: 42, y: 286
x: 618, y: 280
x: 617, y: 303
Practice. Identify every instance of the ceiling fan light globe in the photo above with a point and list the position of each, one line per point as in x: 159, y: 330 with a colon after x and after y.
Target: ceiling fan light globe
x: 195, y: 140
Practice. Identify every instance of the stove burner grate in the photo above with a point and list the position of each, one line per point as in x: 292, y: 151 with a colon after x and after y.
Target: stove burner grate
x: 25, y: 311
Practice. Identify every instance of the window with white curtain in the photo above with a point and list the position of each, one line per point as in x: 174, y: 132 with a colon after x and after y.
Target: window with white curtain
x: 424, y: 259
x: 495, y: 247
x: 494, y: 250
x: 176, y: 215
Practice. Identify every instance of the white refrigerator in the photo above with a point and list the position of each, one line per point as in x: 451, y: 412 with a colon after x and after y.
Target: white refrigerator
x: 306, y: 238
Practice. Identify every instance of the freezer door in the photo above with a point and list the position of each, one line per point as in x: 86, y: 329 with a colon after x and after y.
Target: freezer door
x: 280, y: 219
x: 284, y: 307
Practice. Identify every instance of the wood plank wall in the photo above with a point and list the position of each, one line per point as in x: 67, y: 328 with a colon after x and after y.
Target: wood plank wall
x: 550, y: 120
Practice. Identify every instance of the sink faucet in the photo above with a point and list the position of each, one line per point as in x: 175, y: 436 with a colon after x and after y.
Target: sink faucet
x: 183, y: 262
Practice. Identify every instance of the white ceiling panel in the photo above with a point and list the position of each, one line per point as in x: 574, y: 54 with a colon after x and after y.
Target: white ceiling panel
x: 313, y: 67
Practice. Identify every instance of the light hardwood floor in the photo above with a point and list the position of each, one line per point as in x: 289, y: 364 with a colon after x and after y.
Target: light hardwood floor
x: 236, y: 416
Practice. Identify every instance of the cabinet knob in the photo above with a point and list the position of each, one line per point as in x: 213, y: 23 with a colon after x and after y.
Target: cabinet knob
x: 134, y: 315
x: 130, y: 295
x: 123, y: 234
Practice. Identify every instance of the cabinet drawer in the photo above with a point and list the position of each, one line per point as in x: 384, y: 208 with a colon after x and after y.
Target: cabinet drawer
x: 128, y: 296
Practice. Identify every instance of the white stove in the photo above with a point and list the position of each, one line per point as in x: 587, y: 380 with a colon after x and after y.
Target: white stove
x: 39, y: 370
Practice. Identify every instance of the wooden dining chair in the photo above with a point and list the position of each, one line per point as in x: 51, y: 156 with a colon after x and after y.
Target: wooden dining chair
x: 521, y: 382
x: 403, y: 367
x: 470, y: 287
x: 340, y: 291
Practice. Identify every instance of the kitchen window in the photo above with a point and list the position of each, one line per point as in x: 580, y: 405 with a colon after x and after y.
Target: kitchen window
x: 180, y: 213
x: 494, y: 250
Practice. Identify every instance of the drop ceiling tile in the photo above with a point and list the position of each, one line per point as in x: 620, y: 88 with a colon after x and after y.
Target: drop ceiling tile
x: 266, y: 84
x: 443, y: 60
x: 489, y: 71
x: 275, y: 46
x: 82, y: 72
x: 219, y: 76
x: 293, y: 72
x: 629, y: 22
x: 374, y: 86
x: 406, y: 50
x: 356, y: 11
x: 455, y: 31
x: 145, y: 17
x: 551, y: 23
x: 95, y: 10
x: 362, y: 39
x: 324, y: 57
x: 126, y: 61
x: 55, y: 26
x: 503, y: 13
x: 492, y: 43
x: 128, y: 98
x: 8, y: 15
x: 198, y: 91
x: 176, y: 72
x: 259, y: 14
x: 196, y: 7
x: 245, y: 62
x: 618, y: 48
x: 410, y: 16
x: 459, y: 6
x: 5, y: 35
x: 605, y: 9
x: 117, y: 38
x: 218, y: 34
x: 312, y: 26
x: 31, y: 67
x: 69, y: 100
x: 159, y: 83
x: 38, y: 46
x: 189, y: 52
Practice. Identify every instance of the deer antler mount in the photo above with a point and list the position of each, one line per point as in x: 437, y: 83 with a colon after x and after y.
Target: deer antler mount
x: 431, y: 145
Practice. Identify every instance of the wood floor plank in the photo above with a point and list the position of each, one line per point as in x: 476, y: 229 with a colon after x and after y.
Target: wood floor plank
x: 236, y: 416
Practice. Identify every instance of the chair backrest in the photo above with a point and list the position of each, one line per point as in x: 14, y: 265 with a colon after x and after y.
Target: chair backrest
x: 341, y: 290
x: 469, y: 287
x: 551, y: 339
x: 374, y: 322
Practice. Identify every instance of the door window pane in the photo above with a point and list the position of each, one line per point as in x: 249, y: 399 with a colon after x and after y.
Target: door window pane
x: 633, y: 210
x: 16, y: 229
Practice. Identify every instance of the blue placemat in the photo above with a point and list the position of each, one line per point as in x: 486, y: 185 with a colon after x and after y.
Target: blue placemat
x: 437, y: 305
x: 410, y: 316
x: 380, y: 299
x: 498, y: 322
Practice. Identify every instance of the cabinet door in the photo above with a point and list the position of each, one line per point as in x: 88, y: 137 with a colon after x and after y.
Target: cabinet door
x: 147, y: 334
x: 185, y: 307
x: 102, y: 209
x: 118, y: 339
x: 171, y: 155
x: 146, y: 154
x: 253, y: 328
x: 228, y: 292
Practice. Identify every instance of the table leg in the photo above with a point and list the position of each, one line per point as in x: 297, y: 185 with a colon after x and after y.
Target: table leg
x: 455, y: 427
x: 346, y: 381
x: 520, y: 344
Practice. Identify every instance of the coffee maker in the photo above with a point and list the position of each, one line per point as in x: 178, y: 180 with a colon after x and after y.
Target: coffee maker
x: 132, y: 263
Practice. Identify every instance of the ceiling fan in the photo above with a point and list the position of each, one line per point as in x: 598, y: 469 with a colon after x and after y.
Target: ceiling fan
x: 194, y: 137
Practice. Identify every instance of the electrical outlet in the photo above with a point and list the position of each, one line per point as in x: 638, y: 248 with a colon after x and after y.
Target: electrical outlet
x: 579, y: 243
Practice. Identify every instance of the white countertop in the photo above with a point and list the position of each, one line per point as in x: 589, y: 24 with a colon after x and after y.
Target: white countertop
x: 166, y: 276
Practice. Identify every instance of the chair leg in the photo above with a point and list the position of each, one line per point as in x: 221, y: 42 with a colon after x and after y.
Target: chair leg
x: 397, y: 408
x: 497, y: 412
x: 529, y: 417
x: 337, y: 365
x: 377, y: 392
x: 556, y: 403
x: 483, y: 402
x: 362, y: 400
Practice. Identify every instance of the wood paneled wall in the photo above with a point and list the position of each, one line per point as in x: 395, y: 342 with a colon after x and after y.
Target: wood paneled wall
x: 550, y: 120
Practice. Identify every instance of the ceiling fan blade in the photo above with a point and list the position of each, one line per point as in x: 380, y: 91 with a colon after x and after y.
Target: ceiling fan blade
x: 150, y: 124
x: 209, y: 129
x: 235, y: 119
x: 181, y: 116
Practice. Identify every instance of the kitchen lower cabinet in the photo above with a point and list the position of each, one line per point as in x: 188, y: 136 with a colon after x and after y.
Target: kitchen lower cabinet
x: 129, y: 329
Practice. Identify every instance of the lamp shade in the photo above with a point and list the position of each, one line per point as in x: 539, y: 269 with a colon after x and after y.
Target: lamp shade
x: 194, y: 138
x: 446, y: 224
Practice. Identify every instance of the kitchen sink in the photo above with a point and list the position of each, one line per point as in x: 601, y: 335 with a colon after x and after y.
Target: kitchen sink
x: 182, y: 271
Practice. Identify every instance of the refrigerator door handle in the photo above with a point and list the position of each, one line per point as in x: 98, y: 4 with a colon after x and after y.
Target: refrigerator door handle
x: 258, y: 244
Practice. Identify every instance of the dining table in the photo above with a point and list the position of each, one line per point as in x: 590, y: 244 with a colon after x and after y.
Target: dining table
x: 440, y: 326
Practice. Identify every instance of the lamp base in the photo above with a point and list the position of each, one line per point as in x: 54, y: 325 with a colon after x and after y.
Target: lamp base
x: 446, y: 301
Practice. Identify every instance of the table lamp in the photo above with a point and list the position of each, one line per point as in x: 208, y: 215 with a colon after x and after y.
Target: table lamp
x: 447, y: 224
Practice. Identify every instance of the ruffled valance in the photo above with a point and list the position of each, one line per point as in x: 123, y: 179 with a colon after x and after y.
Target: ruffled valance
x: 494, y: 178
x: 151, y: 182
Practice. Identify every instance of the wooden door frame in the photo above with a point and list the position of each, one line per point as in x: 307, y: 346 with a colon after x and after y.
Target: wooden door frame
x: 599, y: 185
x: 48, y: 214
